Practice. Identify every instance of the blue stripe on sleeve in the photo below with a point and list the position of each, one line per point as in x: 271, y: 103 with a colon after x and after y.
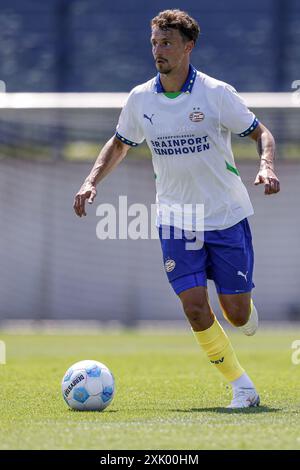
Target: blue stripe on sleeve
x: 250, y: 129
x: 126, y: 141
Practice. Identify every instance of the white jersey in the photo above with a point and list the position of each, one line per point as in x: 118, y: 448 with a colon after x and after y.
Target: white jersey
x: 190, y: 141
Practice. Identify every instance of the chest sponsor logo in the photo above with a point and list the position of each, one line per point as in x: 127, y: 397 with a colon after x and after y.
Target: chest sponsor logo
x: 179, y: 145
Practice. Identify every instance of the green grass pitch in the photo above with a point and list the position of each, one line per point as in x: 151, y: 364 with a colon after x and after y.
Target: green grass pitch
x: 167, y: 395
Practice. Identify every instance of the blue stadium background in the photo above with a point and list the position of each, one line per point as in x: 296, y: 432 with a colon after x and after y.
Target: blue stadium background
x: 95, y: 45
x: 52, y: 264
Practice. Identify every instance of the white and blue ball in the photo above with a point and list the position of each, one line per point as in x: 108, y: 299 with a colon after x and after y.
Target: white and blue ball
x: 88, y: 386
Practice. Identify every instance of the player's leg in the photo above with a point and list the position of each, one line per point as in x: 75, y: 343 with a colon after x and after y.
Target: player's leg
x: 230, y: 255
x: 214, y: 341
x: 186, y: 271
x: 231, y: 258
x: 209, y: 333
x: 240, y: 311
x: 196, y: 307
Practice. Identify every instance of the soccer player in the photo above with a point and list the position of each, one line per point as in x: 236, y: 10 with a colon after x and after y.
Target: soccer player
x: 187, y: 118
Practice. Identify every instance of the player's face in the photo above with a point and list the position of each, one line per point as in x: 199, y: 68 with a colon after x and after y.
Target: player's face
x: 169, y: 49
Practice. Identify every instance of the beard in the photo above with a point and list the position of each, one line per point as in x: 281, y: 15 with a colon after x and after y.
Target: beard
x: 163, y: 67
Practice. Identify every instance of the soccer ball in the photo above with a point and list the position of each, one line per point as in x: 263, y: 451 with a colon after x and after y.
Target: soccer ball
x: 88, y: 386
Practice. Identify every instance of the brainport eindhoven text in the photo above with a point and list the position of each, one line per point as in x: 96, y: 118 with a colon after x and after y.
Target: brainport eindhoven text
x: 169, y: 146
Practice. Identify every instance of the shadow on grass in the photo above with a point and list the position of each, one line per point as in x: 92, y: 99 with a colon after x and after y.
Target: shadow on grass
x: 251, y: 410
x: 92, y: 411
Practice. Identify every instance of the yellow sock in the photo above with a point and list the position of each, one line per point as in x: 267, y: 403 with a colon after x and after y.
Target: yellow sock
x: 218, y: 348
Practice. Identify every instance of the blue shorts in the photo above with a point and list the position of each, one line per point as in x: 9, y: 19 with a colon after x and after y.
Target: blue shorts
x: 225, y: 256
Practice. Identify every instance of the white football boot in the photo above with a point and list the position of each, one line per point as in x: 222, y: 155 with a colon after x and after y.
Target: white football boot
x: 244, y: 398
x: 251, y: 326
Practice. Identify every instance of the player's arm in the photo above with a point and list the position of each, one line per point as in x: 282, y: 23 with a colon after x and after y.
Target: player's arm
x: 110, y: 156
x: 266, y: 149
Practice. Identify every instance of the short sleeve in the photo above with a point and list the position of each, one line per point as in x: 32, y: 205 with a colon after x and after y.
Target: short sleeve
x: 129, y: 129
x: 235, y: 114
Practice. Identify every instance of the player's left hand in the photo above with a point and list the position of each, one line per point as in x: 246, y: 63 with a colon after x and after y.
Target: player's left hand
x: 269, y: 179
x: 87, y: 192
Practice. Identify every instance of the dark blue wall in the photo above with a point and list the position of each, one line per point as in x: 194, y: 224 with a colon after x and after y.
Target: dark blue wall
x: 95, y: 45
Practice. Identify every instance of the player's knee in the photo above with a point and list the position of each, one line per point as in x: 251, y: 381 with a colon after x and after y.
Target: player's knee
x: 197, y: 313
x: 237, y: 314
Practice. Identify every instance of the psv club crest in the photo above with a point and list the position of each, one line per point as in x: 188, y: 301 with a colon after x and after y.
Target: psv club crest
x: 170, y: 265
x: 196, y: 116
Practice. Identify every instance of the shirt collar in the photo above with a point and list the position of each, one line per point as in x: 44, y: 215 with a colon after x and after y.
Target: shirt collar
x: 186, y: 87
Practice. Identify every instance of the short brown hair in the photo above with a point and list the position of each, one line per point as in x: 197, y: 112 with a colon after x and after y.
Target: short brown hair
x: 177, y: 19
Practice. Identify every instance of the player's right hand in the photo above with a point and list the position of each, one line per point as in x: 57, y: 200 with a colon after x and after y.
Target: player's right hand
x: 86, y: 192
